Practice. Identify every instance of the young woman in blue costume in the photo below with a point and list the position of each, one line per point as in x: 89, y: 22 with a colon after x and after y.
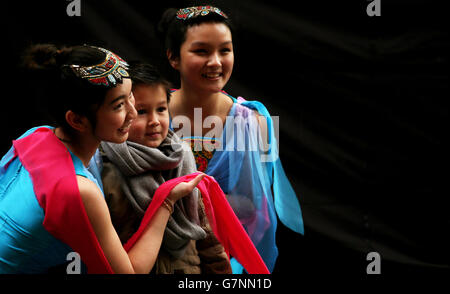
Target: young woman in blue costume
x: 226, y: 134
x: 50, y: 204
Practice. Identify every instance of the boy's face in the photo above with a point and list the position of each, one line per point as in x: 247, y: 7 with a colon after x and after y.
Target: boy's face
x: 152, y: 123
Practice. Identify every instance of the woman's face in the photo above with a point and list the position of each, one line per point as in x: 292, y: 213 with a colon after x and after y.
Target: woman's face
x: 152, y: 123
x: 115, y: 115
x: 206, y: 57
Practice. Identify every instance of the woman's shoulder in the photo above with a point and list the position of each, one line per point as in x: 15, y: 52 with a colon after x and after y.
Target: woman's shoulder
x: 244, y: 107
x: 252, y: 104
x: 32, y: 130
x: 252, y: 109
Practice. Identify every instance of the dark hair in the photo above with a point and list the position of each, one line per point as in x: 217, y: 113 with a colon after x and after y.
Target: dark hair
x: 172, y: 31
x: 146, y: 74
x: 63, y: 89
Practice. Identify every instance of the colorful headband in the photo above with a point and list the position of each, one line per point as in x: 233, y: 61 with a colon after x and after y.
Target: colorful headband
x: 192, y: 12
x: 108, y: 73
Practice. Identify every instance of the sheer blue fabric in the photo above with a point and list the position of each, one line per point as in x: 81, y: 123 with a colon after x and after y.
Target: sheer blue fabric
x: 286, y: 202
x: 247, y: 172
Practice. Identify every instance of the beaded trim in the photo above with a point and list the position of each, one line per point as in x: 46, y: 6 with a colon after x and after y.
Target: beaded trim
x: 195, y: 11
x: 108, y: 73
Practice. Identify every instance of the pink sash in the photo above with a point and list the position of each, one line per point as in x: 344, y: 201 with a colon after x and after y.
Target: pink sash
x: 223, y: 221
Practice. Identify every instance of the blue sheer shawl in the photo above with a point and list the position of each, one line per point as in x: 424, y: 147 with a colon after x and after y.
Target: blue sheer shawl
x: 248, y: 169
x: 253, y: 178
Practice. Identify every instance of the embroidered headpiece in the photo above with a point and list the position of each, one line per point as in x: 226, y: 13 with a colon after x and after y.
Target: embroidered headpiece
x: 108, y: 73
x: 192, y: 12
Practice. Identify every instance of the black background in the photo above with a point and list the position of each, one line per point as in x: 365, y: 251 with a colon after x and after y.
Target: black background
x: 362, y: 102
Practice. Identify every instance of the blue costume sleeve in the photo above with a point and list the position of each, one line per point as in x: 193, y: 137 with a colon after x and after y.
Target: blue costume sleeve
x: 248, y: 173
x: 287, y: 205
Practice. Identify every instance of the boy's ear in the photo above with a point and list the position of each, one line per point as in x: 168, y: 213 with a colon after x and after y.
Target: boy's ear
x: 76, y: 121
x: 174, y: 61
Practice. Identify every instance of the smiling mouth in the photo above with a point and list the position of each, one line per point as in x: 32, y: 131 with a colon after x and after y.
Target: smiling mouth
x: 152, y: 134
x: 214, y: 75
x: 126, y: 127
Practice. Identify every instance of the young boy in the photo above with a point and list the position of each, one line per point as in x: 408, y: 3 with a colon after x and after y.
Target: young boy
x: 132, y: 172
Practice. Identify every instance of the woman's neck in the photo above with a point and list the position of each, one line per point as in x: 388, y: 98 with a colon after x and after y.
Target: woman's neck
x: 216, y: 105
x: 84, y: 147
x: 187, y: 100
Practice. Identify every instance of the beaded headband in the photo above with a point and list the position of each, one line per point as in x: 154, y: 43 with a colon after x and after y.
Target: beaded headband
x: 108, y: 73
x: 192, y: 12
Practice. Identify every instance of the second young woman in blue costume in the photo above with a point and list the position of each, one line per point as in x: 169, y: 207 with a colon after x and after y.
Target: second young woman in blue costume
x: 226, y: 134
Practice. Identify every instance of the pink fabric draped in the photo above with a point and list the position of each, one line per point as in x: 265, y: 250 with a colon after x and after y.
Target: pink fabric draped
x: 51, y: 169
x: 53, y: 175
x: 223, y: 221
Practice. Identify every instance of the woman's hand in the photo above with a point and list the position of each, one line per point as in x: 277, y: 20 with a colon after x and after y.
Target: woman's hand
x: 184, y: 188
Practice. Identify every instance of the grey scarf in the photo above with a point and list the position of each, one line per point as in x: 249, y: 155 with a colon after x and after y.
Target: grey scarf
x: 144, y: 169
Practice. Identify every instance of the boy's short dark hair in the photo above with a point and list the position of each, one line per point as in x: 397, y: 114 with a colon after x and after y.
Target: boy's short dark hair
x: 146, y: 74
